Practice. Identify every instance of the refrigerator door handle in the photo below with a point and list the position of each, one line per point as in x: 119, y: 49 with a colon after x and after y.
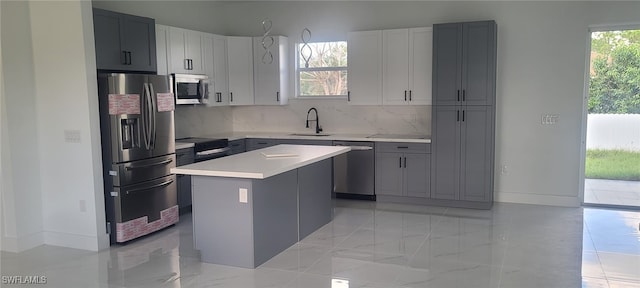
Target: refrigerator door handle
x: 143, y: 107
x: 152, y: 98
x: 147, y: 117
x: 148, y: 165
x: 165, y: 183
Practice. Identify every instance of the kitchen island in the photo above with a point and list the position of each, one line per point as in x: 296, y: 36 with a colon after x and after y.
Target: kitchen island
x: 251, y: 206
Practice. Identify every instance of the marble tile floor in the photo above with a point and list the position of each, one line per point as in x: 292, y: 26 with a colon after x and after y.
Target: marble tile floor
x: 371, y: 244
x: 612, y: 192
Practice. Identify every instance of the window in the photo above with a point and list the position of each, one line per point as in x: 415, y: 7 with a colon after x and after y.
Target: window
x: 326, y: 73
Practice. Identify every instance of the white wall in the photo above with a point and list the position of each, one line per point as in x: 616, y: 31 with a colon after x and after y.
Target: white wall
x: 21, y: 181
x: 57, y: 186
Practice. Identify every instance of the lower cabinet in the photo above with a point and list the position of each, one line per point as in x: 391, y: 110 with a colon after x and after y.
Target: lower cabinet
x: 184, y: 157
x: 259, y: 143
x: 403, y: 169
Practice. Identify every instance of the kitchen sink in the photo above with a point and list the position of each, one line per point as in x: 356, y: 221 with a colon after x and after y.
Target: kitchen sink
x: 308, y: 134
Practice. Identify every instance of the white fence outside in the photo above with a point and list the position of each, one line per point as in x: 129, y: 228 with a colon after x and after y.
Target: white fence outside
x: 613, y: 131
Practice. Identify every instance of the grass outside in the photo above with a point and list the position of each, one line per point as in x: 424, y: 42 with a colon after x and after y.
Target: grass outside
x: 612, y: 165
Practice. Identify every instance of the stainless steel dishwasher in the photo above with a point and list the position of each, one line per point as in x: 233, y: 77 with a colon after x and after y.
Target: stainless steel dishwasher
x: 354, y: 171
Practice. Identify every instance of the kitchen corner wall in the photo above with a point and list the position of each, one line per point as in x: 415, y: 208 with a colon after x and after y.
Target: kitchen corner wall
x: 336, y: 116
x: 197, y: 120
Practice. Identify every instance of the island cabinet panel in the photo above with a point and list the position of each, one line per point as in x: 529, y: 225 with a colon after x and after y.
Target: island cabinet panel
x: 314, y: 188
x: 254, y: 231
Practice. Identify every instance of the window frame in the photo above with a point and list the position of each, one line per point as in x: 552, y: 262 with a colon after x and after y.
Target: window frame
x: 298, y: 70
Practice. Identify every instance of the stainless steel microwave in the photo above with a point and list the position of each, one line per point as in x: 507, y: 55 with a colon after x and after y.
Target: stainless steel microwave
x: 191, y: 88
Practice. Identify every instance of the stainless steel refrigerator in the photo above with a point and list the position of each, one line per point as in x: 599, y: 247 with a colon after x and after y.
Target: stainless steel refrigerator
x: 138, y: 150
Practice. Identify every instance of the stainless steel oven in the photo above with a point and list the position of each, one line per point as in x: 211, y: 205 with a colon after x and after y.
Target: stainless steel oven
x: 191, y: 89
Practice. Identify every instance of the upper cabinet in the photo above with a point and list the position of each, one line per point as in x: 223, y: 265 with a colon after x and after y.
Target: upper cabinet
x: 124, y: 42
x: 270, y: 70
x: 215, y: 62
x: 365, y: 68
x: 240, y: 61
x: 162, y: 42
x: 464, y: 63
x: 406, y: 62
x: 185, y: 51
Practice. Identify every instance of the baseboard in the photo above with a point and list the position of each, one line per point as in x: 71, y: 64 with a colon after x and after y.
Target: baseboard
x: 19, y: 244
x: 84, y: 242
x: 537, y: 199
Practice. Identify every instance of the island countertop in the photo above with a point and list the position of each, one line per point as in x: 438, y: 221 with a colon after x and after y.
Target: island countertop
x: 262, y: 163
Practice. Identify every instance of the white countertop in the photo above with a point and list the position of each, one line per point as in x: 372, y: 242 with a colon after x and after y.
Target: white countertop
x: 255, y: 165
x: 330, y: 136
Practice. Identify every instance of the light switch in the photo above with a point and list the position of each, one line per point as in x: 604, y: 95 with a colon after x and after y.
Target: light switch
x: 243, y: 195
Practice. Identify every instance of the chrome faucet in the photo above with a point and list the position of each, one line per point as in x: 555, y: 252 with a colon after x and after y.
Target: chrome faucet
x: 318, y: 128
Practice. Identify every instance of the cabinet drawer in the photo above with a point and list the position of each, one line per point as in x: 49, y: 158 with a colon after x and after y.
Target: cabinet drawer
x: 258, y: 143
x: 238, y: 146
x: 403, y: 147
x: 184, y: 156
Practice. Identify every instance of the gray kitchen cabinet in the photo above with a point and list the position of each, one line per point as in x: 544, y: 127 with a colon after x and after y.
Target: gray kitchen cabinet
x: 124, y: 42
x: 259, y: 143
x: 238, y: 146
x: 463, y: 141
x: 270, y: 70
x: 464, y: 63
x: 306, y: 142
x: 403, y: 169
x: 463, y: 115
x: 183, y: 157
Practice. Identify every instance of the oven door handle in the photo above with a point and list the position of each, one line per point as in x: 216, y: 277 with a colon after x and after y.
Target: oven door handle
x: 212, y: 151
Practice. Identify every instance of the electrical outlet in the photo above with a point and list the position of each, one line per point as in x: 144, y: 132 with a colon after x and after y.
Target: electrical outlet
x: 243, y: 195
x: 503, y: 170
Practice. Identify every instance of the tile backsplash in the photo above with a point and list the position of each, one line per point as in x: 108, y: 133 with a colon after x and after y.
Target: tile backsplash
x: 335, y: 117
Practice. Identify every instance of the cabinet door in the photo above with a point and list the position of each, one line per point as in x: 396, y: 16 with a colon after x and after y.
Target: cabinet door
x: 193, y: 40
x: 240, y: 61
x: 395, y: 67
x: 478, y: 56
x: 365, y: 68
x: 220, y: 71
x: 269, y: 70
x: 162, y: 44
x: 178, y: 51
x: 445, y: 152
x: 106, y: 27
x: 477, y: 154
x: 389, y: 174
x: 417, y: 174
x: 447, y: 62
x: 420, y: 65
x: 184, y: 191
x: 139, y: 40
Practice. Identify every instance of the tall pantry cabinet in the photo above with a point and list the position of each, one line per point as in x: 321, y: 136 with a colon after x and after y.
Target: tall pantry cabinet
x: 463, y: 120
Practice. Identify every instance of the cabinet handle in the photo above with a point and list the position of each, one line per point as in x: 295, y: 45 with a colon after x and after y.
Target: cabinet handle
x: 410, y: 95
x: 278, y: 96
x: 348, y: 96
x: 405, y: 162
x: 405, y: 95
x: 458, y: 116
x: 190, y: 64
x: 129, y: 57
x: 400, y: 162
x: 262, y: 143
x: 458, y: 95
x: 403, y: 147
x: 462, y: 115
x: 186, y: 64
x: 464, y: 92
x: 231, y: 96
